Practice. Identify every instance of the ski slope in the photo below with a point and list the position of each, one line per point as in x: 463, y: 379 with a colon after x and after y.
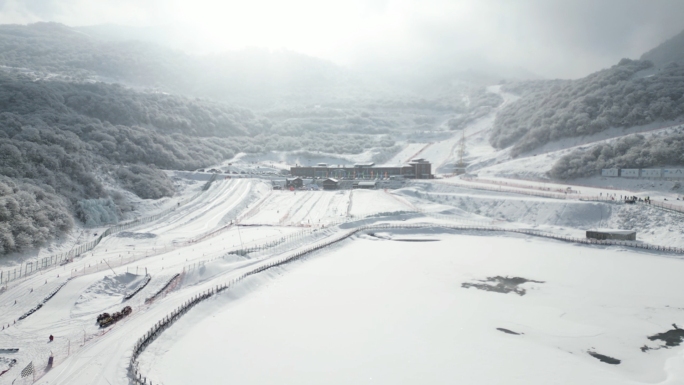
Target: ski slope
x: 371, y: 202
x: 301, y: 208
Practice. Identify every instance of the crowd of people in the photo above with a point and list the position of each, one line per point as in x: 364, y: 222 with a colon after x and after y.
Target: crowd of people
x: 634, y: 198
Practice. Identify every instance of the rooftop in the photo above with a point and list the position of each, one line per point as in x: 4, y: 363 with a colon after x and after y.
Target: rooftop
x: 614, y: 231
x: 418, y: 160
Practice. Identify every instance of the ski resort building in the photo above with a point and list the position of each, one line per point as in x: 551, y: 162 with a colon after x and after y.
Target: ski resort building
x: 371, y: 184
x: 294, y: 182
x: 415, y: 169
x: 619, y: 235
x: 330, y: 184
x: 667, y: 173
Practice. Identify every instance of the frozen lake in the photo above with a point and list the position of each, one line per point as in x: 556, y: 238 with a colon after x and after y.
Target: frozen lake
x: 388, y: 309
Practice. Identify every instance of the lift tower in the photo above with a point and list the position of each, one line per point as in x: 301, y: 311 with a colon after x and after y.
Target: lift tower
x: 461, y: 166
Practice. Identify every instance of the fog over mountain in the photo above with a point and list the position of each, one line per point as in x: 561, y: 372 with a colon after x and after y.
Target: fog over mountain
x: 97, y: 98
x: 553, y: 39
x: 671, y: 51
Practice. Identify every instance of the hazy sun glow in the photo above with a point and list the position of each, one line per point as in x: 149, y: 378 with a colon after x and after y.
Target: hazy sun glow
x: 323, y: 29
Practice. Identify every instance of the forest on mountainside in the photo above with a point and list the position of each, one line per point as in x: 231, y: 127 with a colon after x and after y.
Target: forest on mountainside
x: 633, y: 151
x: 631, y: 93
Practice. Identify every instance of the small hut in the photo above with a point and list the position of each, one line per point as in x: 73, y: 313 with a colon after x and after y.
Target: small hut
x: 294, y: 182
x: 366, y: 184
x: 619, y: 235
x: 330, y: 184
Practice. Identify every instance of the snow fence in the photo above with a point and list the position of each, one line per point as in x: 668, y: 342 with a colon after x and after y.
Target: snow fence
x: 44, y: 301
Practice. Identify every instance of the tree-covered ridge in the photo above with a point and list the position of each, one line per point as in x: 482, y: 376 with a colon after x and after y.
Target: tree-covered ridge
x: 30, y: 215
x: 634, y: 151
x: 625, y: 95
x: 122, y: 106
x: 60, y: 142
x: 523, y: 88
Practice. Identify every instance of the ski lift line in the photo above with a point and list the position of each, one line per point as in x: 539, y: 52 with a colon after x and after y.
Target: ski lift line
x: 420, y: 151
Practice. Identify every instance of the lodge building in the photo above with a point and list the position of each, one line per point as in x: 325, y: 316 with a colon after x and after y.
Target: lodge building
x: 415, y: 169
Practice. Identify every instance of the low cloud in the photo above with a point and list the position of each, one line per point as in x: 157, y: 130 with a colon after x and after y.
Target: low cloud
x: 552, y: 38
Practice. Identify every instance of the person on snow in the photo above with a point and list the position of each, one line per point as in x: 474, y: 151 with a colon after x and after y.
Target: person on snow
x: 51, y: 338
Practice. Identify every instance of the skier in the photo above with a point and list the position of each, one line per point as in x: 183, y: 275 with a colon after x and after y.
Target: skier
x: 51, y: 338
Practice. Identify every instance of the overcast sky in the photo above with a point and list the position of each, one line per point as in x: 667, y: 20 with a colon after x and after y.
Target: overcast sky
x: 552, y: 38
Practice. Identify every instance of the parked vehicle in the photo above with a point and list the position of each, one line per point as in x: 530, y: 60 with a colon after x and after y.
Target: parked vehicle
x: 106, y: 319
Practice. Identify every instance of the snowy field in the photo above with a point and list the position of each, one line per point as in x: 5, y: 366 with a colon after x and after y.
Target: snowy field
x: 390, y: 308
